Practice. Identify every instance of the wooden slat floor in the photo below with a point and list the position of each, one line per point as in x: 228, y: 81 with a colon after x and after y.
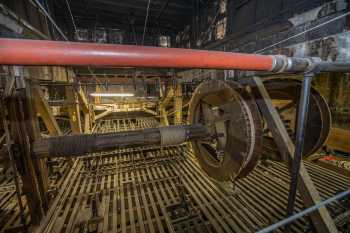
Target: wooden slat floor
x: 9, y: 210
x: 154, y: 189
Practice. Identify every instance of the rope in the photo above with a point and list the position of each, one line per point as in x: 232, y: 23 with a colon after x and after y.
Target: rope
x: 71, y: 15
x: 301, y: 33
x: 146, y: 19
x: 76, y: 145
x: 172, y: 135
x: 51, y: 19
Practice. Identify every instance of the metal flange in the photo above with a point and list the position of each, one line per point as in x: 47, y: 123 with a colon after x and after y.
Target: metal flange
x: 285, y: 94
x: 231, y: 115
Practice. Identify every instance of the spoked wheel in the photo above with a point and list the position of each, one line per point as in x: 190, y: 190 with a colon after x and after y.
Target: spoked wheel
x: 285, y: 97
x: 232, y: 117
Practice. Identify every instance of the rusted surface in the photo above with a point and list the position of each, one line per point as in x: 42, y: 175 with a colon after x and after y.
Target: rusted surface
x: 233, y: 117
x: 285, y: 96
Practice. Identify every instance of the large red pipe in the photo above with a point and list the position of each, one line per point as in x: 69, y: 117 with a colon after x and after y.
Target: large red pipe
x: 40, y: 52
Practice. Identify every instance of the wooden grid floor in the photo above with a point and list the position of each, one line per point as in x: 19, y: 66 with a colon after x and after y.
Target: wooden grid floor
x: 154, y: 189
x: 9, y: 210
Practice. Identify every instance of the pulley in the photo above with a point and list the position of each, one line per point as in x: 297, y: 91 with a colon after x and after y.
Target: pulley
x: 232, y: 117
x: 285, y: 94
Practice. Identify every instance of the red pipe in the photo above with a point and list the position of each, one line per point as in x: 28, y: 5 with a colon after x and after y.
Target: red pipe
x: 40, y: 52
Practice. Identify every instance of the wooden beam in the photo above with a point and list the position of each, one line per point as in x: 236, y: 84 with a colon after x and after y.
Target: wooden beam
x: 43, y: 108
x: 320, y: 218
x: 163, y: 116
x: 83, y: 101
x: 105, y: 113
x: 167, y: 100
x: 86, y: 110
x: 178, y: 104
x: 87, y: 123
x: 73, y: 109
x: 150, y: 111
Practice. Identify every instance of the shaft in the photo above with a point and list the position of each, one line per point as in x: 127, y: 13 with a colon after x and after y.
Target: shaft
x: 77, y: 145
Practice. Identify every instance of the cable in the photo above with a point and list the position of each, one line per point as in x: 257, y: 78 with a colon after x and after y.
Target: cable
x: 301, y: 33
x: 51, y: 19
x: 146, y: 19
x: 71, y: 15
x: 304, y: 212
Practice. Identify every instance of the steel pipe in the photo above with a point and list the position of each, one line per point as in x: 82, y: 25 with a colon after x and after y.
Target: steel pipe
x: 299, y: 144
x: 41, y: 52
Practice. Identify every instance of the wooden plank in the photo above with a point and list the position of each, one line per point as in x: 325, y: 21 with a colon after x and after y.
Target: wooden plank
x: 83, y: 101
x: 339, y: 139
x: 87, y: 123
x: 73, y: 110
x: 103, y: 114
x: 178, y: 104
x: 320, y: 218
x: 43, y: 108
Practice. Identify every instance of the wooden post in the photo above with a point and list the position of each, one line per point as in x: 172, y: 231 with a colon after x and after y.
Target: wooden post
x: 163, y: 105
x: 320, y: 218
x: 73, y: 109
x: 178, y: 104
x: 24, y: 130
x: 86, y: 110
x: 43, y: 108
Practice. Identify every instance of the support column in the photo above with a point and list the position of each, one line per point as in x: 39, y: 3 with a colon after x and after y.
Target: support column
x: 43, y: 108
x: 85, y: 109
x: 73, y: 109
x: 20, y: 114
x: 163, y: 116
x: 178, y: 104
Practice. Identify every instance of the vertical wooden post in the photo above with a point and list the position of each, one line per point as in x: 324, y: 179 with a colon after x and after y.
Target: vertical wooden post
x: 73, y: 109
x: 163, y: 116
x: 43, y: 108
x: 178, y: 104
x: 24, y: 130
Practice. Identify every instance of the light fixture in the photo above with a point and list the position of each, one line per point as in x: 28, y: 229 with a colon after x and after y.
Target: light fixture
x: 107, y: 94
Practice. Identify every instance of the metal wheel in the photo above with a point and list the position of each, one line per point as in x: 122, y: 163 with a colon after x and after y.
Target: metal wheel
x: 231, y: 115
x: 285, y: 97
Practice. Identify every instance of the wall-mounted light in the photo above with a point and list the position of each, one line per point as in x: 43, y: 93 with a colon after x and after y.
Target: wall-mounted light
x: 106, y: 94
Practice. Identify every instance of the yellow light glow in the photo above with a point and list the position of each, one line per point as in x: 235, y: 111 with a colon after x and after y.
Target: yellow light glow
x: 106, y: 94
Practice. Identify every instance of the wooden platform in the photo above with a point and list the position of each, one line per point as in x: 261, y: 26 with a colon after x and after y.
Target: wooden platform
x: 154, y: 189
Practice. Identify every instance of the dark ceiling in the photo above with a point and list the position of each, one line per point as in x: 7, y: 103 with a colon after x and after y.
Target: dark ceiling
x: 164, y: 15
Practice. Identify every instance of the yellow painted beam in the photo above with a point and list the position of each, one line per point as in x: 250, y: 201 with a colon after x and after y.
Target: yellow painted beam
x: 83, y: 101
x: 73, y: 110
x: 43, y: 108
x: 178, y: 104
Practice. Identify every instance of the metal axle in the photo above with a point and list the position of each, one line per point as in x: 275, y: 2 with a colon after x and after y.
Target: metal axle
x: 77, y: 145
